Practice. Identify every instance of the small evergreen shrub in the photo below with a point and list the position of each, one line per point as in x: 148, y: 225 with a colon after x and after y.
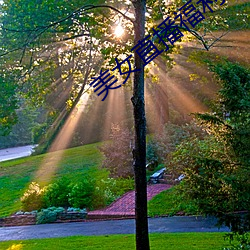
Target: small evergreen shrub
x: 48, y: 215
x: 77, y: 210
x: 103, y: 194
x: 122, y: 186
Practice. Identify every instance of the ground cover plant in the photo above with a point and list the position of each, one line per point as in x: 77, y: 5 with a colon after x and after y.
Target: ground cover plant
x: 172, y: 241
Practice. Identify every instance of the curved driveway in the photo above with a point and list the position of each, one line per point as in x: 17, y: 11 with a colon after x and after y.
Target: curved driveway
x: 156, y: 225
x: 17, y: 152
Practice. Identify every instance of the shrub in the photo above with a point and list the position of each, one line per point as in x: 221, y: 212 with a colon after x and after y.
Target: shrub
x: 48, y: 215
x: 73, y: 209
x: 33, y: 197
x: 118, y: 153
x: 103, y: 194
x: 109, y: 189
x: 166, y: 141
x: 81, y: 194
x: 38, y: 131
x: 57, y: 193
x: 208, y: 181
x: 152, y: 156
x: 243, y: 242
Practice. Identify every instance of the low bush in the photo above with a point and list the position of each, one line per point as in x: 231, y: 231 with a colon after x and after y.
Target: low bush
x: 123, y: 185
x: 33, y: 198
x: 242, y: 241
x: 73, y: 209
x: 81, y: 194
x: 57, y: 193
x: 109, y: 189
x: 87, y: 193
x: 48, y: 215
x: 103, y: 194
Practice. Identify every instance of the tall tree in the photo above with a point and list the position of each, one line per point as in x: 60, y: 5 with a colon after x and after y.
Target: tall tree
x: 139, y: 151
x: 217, y: 167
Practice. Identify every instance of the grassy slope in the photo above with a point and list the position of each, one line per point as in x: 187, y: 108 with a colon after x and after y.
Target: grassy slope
x: 173, y: 241
x: 169, y: 203
x: 16, y: 175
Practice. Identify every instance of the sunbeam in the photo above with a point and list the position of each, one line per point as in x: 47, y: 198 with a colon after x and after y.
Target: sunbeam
x: 51, y: 161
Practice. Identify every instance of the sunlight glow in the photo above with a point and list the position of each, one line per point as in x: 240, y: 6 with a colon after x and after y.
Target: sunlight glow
x: 119, y: 31
x: 52, y: 160
x: 171, y: 93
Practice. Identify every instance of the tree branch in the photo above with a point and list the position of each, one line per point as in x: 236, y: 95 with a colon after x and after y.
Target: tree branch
x: 112, y: 8
x: 77, y: 12
x: 42, y: 29
x: 196, y: 34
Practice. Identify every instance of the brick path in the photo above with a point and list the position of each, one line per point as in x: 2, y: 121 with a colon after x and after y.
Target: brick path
x: 124, y: 207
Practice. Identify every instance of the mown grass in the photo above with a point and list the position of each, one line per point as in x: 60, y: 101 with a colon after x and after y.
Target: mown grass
x: 16, y: 175
x: 76, y: 163
x: 170, y: 203
x: 170, y: 241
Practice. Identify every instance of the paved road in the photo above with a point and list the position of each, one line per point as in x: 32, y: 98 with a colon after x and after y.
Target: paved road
x: 156, y: 225
x: 14, y: 153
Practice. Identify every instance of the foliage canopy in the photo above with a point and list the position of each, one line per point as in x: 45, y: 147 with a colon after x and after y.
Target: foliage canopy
x: 217, y: 168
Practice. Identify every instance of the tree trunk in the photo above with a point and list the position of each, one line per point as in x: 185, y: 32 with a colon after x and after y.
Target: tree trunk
x: 139, y: 151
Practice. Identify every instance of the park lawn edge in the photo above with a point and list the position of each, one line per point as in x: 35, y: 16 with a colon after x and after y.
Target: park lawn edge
x: 158, y: 241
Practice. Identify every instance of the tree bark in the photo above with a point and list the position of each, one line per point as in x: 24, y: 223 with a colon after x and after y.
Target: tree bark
x: 139, y: 151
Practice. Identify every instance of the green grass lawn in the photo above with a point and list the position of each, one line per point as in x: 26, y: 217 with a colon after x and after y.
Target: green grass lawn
x: 171, y: 241
x: 16, y: 175
x: 169, y: 203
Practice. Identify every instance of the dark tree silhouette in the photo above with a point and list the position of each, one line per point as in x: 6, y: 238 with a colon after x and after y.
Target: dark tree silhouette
x: 139, y: 151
